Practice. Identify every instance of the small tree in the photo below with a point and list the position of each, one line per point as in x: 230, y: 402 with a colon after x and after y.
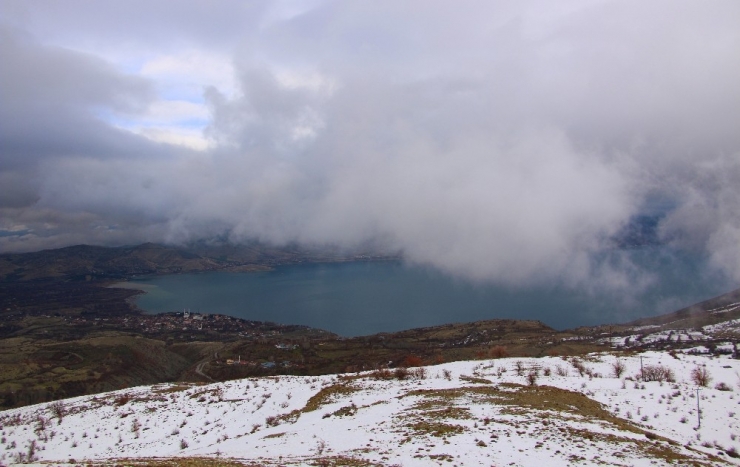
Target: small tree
x: 618, y: 367
x: 700, y: 376
x: 59, y: 410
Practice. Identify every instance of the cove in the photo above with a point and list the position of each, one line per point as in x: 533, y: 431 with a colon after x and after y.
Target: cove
x: 362, y: 298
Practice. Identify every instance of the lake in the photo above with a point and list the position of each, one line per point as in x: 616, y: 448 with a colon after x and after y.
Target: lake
x: 362, y: 298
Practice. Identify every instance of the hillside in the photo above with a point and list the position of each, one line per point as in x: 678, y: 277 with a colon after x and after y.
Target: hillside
x: 63, y: 333
x: 83, y: 261
x: 95, y: 262
x: 710, y: 311
x: 513, y: 411
x: 228, y: 391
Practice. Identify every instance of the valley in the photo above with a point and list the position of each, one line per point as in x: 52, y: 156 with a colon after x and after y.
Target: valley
x: 70, y: 335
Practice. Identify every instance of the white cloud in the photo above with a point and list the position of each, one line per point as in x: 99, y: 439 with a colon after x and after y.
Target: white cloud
x: 500, y: 141
x: 189, y: 138
x: 190, y: 71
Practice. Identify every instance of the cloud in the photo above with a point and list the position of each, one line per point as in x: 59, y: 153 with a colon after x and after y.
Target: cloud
x: 501, y: 142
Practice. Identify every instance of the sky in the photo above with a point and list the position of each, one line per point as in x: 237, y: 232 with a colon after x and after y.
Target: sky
x: 502, y: 141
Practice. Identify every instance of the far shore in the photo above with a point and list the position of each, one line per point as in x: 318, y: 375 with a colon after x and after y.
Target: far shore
x: 132, y: 286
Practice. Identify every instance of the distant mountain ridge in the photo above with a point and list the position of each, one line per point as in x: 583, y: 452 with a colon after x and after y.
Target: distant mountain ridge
x: 87, y: 260
x: 711, y: 311
x: 97, y: 262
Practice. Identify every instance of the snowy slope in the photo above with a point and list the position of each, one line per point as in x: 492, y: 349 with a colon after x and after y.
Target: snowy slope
x: 463, y: 413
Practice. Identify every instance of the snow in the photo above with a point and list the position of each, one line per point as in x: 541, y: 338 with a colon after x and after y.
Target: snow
x: 462, y: 413
x: 723, y: 326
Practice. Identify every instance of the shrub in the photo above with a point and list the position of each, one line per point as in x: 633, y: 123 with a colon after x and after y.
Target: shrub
x: 618, y: 367
x: 58, y: 410
x: 722, y: 387
x: 419, y: 373
x: 381, y: 373
x: 135, y: 427
x: 183, y: 444
x: 532, y: 378
x: 700, y: 376
x: 519, y: 366
x: 658, y: 373
x: 579, y: 365
x: 401, y: 373
x: 123, y: 399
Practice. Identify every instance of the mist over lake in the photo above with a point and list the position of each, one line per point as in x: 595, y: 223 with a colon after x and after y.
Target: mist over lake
x: 362, y: 298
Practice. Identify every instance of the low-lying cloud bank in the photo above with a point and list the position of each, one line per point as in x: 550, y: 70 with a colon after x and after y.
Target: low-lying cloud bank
x: 499, y: 142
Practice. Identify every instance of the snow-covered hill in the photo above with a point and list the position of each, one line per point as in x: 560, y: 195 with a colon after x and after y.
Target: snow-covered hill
x: 514, y: 411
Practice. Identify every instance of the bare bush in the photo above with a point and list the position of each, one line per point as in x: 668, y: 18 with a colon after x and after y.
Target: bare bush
x: 723, y: 387
x: 22, y: 458
x: 41, y: 423
x: 532, y: 378
x: 123, y: 399
x: 419, y: 373
x: 519, y: 367
x: 579, y: 365
x: 320, y: 447
x: 381, y: 373
x: 700, y: 376
x: 658, y: 373
x: 135, y: 427
x: 401, y: 373
x: 618, y: 368
x: 58, y: 410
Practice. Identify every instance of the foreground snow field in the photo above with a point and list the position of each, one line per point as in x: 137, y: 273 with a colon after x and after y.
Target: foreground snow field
x: 512, y: 411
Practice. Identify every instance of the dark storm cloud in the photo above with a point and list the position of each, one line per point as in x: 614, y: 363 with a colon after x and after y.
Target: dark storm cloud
x: 51, y: 100
x: 501, y: 141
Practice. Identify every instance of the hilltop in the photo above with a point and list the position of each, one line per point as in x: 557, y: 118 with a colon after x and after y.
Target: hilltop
x: 602, y: 408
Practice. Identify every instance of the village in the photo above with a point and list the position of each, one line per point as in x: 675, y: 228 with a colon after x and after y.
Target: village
x: 186, y: 326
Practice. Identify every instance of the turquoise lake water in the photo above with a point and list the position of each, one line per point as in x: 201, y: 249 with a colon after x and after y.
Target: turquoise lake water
x: 364, y: 298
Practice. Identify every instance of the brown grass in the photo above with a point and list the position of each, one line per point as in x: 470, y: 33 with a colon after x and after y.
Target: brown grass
x: 328, y: 395
x: 432, y: 413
